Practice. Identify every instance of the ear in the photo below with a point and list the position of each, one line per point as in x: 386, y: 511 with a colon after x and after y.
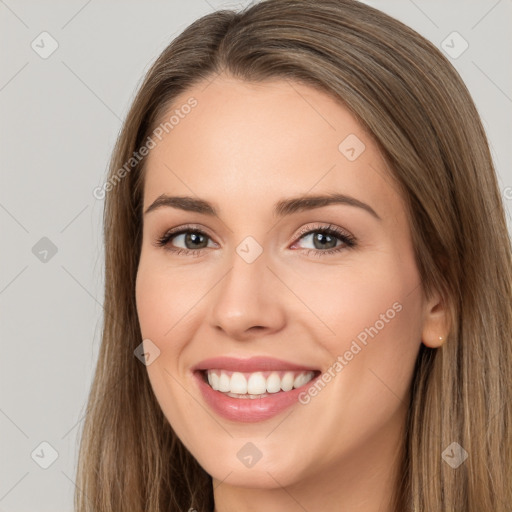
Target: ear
x: 436, y: 321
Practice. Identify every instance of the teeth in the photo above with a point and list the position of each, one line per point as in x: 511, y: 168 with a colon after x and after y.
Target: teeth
x: 213, y: 380
x: 287, y: 381
x: 257, y: 384
x: 224, y: 382
x: 300, y: 380
x: 273, y: 383
x: 238, y: 384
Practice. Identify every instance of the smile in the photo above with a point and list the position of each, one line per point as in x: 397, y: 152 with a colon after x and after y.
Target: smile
x: 256, y: 384
x: 255, y: 389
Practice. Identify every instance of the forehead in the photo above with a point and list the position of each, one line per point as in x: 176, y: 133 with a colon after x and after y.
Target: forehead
x: 246, y: 141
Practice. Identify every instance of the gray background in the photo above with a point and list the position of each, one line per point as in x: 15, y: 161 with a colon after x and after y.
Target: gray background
x: 60, y: 117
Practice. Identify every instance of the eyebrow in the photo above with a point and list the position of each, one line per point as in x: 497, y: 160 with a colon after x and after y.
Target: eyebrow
x: 281, y: 208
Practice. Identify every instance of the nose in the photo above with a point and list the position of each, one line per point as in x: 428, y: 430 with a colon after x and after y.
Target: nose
x: 248, y: 301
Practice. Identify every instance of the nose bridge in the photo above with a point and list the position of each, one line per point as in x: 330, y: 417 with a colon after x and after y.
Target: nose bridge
x: 246, y: 297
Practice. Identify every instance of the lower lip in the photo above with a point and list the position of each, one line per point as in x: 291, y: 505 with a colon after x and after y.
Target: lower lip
x: 249, y: 409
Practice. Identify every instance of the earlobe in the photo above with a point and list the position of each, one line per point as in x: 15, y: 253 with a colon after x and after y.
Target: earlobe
x: 433, y: 342
x: 436, y: 323
x: 436, y: 343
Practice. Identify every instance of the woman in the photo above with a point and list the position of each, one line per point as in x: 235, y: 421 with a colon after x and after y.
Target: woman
x: 308, y: 278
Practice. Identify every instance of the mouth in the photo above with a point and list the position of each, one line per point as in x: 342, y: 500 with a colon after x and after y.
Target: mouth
x: 254, y: 385
x: 252, y: 389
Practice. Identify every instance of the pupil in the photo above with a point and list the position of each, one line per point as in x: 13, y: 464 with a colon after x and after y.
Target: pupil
x: 194, y: 237
x: 320, y: 236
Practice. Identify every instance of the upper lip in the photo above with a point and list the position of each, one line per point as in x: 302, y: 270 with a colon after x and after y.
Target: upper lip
x: 252, y: 364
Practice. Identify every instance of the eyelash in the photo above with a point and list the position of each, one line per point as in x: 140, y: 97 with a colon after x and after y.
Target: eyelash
x: 348, y: 240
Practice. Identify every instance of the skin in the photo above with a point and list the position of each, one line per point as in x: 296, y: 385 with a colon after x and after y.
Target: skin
x: 244, y: 147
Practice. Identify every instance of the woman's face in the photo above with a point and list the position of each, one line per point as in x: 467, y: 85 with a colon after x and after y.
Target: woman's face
x: 261, y: 300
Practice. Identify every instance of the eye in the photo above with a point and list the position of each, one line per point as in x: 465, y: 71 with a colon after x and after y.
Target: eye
x: 324, y: 239
x: 194, y: 240
x: 324, y: 242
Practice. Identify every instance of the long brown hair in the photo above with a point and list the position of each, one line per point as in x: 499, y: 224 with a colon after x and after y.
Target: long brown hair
x: 412, y: 101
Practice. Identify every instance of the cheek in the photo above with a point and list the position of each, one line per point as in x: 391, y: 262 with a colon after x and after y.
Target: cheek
x: 375, y: 316
x: 370, y: 314
x: 378, y: 335
x: 159, y: 311
x: 163, y: 298
x: 150, y: 298
x: 345, y: 299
